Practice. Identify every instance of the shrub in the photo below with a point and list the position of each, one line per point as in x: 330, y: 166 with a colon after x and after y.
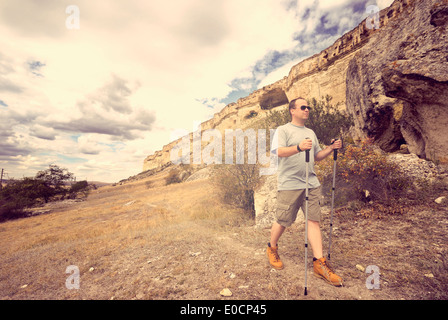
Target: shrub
x: 173, y: 177
x: 179, y: 174
x: 53, y: 179
x: 80, y: 187
x: 237, y: 184
x: 149, y: 184
x: 276, y: 118
x: 251, y: 114
x: 364, y: 173
x: 19, y: 195
x: 326, y: 120
x: 27, y: 192
x: 11, y: 210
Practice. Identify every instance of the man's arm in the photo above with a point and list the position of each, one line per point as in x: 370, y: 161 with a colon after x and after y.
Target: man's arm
x: 284, y: 152
x: 321, y: 155
x: 292, y: 150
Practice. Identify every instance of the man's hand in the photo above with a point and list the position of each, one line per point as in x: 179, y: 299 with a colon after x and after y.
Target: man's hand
x: 306, y: 144
x: 336, y: 144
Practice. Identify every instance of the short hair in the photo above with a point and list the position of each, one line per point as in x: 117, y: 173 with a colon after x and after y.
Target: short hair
x: 293, y: 102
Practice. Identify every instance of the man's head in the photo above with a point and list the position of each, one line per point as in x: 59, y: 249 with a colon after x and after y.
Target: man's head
x: 299, y: 108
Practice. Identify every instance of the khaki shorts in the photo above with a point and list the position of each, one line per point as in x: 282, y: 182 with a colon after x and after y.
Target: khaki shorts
x: 290, y: 201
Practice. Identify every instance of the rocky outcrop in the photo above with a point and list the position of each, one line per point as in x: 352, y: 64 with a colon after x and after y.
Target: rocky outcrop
x: 273, y: 98
x: 397, y: 84
x: 392, y: 79
x: 265, y: 200
x: 415, y: 168
x: 320, y: 75
x: 325, y: 73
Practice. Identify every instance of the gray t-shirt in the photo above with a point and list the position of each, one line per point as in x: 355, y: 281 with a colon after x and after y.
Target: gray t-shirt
x: 292, y: 170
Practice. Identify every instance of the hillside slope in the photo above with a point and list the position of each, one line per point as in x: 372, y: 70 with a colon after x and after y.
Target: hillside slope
x: 180, y: 242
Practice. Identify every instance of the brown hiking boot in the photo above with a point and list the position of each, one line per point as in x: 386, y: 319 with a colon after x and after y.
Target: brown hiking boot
x: 324, y: 271
x: 274, y: 258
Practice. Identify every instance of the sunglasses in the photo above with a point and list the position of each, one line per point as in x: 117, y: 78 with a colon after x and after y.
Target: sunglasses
x: 305, y: 107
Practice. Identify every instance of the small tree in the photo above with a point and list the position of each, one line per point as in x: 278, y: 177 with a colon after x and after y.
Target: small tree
x: 18, y: 195
x: 79, y: 187
x: 237, y: 184
x: 327, y: 121
x: 54, y: 179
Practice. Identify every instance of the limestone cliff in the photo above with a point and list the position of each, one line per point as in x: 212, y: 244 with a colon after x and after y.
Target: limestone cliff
x: 392, y: 79
x: 233, y: 116
x: 397, y: 85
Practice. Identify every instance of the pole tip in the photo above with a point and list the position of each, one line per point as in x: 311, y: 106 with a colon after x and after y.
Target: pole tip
x: 306, y: 292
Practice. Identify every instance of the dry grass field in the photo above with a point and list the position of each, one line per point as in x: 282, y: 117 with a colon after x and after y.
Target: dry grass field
x: 179, y: 242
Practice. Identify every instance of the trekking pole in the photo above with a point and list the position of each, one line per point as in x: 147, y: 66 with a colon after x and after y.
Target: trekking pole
x: 335, y: 158
x: 307, y: 160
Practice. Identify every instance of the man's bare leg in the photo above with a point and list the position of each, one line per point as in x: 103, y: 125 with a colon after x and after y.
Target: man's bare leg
x: 276, y: 232
x: 315, y: 238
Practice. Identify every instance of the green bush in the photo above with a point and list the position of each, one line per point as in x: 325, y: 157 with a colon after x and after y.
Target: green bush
x: 365, y: 174
x: 27, y: 192
x: 19, y: 195
x: 237, y: 184
x: 326, y: 120
x: 80, y: 187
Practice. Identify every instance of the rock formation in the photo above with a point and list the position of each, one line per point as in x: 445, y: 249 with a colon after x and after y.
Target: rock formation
x: 397, y: 84
x: 235, y: 115
x: 392, y: 79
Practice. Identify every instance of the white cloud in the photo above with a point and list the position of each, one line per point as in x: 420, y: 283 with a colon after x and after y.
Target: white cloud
x: 39, y: 131
x: 88, y: 145
x: 384, y: 3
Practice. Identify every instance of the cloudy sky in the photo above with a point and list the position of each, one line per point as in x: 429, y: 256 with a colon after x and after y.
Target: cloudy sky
x: 97, y: 94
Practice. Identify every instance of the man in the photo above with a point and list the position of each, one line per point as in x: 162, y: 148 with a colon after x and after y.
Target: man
x: 290, y: 142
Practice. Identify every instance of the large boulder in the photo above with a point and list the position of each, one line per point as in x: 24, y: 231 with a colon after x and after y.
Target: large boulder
x: 397, y: 84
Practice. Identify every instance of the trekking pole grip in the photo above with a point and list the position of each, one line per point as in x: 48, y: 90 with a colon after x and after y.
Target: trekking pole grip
x: 307, y: 154
x: 335, y: 151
